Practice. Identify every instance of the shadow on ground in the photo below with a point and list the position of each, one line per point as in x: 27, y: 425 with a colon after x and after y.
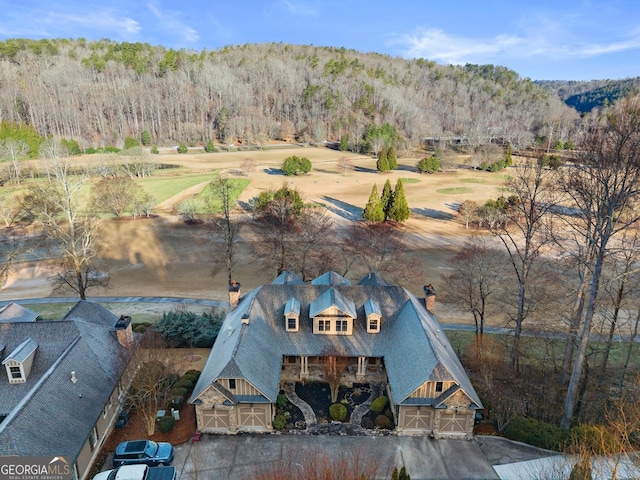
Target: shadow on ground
x: 343, y: 209
x: 432, y: 213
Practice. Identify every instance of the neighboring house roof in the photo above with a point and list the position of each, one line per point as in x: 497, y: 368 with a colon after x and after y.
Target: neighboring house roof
x: 287, y: 278
x: 50, y: 414
x: 12, y: 313
x: 410, y: 340
x: 372, y: 278
x: 330, y: 278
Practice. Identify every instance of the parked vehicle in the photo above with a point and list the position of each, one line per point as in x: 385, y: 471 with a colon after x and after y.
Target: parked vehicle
x: 143, y: 451
x: 138, y: 472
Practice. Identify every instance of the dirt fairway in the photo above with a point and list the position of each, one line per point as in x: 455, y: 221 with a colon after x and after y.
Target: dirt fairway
x: 162, y: 256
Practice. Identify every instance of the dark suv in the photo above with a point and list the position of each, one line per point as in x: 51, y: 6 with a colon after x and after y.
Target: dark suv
x: 143, y: 451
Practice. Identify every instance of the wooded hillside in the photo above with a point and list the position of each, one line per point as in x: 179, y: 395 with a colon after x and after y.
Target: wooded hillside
x: 99, y: 93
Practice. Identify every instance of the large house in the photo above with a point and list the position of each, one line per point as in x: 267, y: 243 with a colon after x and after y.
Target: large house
x: 61, y: 382
x: 280, y: 333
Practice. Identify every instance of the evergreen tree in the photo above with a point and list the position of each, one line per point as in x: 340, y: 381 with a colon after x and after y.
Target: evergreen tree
x: 508, y: 158
x: 145, y: 137
x: 382, y: 165
x: 392, y: 158
x: 399, y: 210
x: 386, y: 199
x: 373, y: 210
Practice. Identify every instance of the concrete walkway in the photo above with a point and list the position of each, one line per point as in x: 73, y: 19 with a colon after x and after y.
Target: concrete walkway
x: 309, y: 416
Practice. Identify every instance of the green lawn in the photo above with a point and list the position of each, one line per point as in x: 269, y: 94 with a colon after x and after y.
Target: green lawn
x: 453, y: 190
x: 410, y: 180
x: 163, y: 187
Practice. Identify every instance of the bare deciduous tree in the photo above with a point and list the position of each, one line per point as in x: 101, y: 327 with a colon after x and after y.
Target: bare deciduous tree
x: 115, y: 194
x: 151, y: 386
x: 605, y: 190
x: 335, y: 364
x: 225, y: 225
x: 346, y: 165
x: 70, y: 225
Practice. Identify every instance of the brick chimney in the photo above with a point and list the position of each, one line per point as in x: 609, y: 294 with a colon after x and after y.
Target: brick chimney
x: 234, y: 294
x: 124, y: 331
x: 430, y: 298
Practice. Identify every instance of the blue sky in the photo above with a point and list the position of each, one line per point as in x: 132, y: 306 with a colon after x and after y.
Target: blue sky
x: 541, y: 39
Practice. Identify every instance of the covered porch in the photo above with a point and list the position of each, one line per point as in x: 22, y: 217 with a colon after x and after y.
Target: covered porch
x: 312, y: 368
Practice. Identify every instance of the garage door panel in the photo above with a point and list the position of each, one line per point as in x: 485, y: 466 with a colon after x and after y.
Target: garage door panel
x: 414, y: 418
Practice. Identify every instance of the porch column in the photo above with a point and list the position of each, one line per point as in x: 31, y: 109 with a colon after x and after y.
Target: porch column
x: 362, y: 366
x: 304, y: 366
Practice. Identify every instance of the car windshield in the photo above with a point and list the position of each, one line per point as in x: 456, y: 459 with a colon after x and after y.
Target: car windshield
x: 152, y: 448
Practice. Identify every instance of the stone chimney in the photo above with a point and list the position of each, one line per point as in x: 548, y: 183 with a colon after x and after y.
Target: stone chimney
x: 124, y: 331
x: 430, y: 298
x: 234, y: 294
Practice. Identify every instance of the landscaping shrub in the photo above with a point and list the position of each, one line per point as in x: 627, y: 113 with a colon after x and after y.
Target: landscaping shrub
x: 189, y: 329
x: 388, y: 413
x: 379, y: 404
x: 185, y: 383
x: 176, y: 403
x: 280, y: 422
x: 338, y: 412
x: 536, y: 433
x: 383, y: 421
x: 281, y: 400
x: 178, y: 392
x: 166, y: 424
x: 140, y: 327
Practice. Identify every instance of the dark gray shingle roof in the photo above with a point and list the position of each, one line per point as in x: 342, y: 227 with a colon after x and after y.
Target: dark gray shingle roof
x: 13, y: 313
x: 51, y: 415
x: 411, y: 341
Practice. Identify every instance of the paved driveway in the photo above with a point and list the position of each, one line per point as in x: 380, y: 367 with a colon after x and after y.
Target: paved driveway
x: 237, y: 457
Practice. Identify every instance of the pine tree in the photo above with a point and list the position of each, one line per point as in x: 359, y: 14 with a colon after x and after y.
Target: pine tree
x: 392, y: 158
x: 386, y: 199
x: 399, y: 210
x: 382, y: 165
x: 373, y: 210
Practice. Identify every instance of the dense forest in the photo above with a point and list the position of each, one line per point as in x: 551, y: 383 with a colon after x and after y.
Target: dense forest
x: 584, y: 96
x: 99, y: 93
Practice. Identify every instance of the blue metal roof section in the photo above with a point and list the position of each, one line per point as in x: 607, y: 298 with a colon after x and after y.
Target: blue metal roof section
x: 330, y: 278
x: 329, y: 299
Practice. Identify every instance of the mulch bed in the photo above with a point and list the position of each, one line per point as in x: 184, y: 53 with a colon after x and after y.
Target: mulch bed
x: 135, y: 430
x: 318, y: 396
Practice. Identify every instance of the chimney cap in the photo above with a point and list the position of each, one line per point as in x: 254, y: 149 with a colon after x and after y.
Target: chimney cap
x: 429, y: 290
x: 123, y: 322
x: 234, y: 286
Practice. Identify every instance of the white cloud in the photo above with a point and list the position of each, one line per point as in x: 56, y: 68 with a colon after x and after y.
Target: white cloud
x: 455, y: 49
x: 170, y: 22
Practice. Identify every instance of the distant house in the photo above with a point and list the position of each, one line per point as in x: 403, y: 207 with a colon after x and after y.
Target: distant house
x: 61, y: 383
x: 279, y: 332
x: 12, y: 313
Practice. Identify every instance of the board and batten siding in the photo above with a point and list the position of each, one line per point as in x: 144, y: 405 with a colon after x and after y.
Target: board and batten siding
x: 242, y: 387
x: 428, y: 390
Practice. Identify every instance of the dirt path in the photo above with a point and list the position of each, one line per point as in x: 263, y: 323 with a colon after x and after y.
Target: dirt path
x: 169, y: 205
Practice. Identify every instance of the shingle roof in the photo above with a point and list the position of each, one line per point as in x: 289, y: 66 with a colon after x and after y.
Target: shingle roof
x: 22, y: 351
x: 13, y: 313
x: 49, y: 414
x: 410, y: 340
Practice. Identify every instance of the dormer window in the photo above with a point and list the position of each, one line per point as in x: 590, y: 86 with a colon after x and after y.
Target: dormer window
x: 292, y: 315
x: 18, y: 363
x: 374, y: 316
x: 332, y: 314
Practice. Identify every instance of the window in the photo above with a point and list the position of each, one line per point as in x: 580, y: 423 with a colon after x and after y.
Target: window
x: 341, y: 325
x: 438, y: 386
x: 373, y: 325
x: 232, y: 384
x: 93, y: 438
x: 324, y: 325
x: 292, y: 323
x: 15, y: 372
